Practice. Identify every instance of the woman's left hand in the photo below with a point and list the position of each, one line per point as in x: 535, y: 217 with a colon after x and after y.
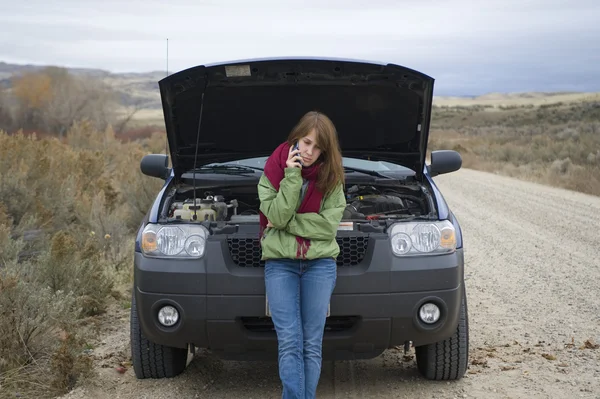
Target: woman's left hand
x: 269, y: 224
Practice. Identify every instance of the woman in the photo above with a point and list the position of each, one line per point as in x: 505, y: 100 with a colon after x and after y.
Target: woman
x: 301, y: 203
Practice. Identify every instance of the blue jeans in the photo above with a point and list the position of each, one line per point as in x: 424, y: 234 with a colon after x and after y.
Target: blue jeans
x: 299, y: 292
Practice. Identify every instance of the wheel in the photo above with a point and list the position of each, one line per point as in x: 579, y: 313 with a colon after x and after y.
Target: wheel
x: 151, y: 360
x: 447, y: 359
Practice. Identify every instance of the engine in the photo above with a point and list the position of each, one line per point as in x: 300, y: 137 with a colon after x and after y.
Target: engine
x: 368, y: 202
x: 241, y: 204
x: 213, y: 208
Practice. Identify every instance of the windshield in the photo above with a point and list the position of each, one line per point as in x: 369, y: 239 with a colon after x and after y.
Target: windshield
x: 378, y: 166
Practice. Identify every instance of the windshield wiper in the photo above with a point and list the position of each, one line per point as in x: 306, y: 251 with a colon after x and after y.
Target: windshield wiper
x: 233, y: 166
x: 225, y: 168
x: 366, y: 171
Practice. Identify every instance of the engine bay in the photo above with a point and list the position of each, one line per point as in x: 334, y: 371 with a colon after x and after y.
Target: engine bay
x: 241, y: 204
x: 370, y: 202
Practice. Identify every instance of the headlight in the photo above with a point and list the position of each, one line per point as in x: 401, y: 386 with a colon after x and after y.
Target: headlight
x: 174, y: 241
x: 422, y: 238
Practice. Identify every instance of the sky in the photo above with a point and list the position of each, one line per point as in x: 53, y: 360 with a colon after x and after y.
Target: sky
x: 469, y: 47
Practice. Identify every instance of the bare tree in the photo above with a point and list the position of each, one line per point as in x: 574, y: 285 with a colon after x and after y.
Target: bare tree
x: 122, y: 123
x: 75, y: 99
x: 53, y: 99
x: 6, y: 118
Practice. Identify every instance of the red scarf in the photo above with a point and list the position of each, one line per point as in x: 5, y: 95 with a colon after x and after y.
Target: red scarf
x: 274, y: 171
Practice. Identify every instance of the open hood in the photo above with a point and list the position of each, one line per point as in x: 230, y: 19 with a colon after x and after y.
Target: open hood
x: 381, y: 111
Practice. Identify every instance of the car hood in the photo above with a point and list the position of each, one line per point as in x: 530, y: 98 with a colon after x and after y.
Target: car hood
x: 381, y: 111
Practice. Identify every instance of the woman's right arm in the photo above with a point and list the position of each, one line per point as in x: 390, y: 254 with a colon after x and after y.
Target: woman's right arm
x: 280, y: 206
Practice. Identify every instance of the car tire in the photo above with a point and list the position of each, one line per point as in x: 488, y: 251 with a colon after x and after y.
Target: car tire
x: 152, y: 360
x: 447, y: 359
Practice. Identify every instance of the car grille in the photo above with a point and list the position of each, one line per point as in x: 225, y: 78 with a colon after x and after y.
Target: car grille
x: 246, y: 252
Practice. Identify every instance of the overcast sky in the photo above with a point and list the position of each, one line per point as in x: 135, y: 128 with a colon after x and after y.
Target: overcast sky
x: 470, y: 47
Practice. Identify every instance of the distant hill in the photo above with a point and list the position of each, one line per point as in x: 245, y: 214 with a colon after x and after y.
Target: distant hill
x: 141, y: 90
x: 516, y: 99
x: 7, y: 70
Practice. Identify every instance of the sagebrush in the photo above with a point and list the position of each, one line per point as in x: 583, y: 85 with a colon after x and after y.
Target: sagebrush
x: 556, y: 144
x: 68, y: 210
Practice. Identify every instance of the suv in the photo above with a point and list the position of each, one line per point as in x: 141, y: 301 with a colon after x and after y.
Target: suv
x: 199, y: 278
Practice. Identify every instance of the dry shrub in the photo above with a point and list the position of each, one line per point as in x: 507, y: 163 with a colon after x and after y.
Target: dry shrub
x: 35, y: 321
x: 558, y: 145
x: 578, y: 178
x: 68, y: 215
x: 80, y: 269
x: 9, y: 248
x: 561, y: 166
x: 139, y: 133
x: 61, y: 183
x: 594, y: 158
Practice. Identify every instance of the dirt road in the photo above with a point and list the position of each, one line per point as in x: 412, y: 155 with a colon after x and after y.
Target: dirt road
x: 533, y: 285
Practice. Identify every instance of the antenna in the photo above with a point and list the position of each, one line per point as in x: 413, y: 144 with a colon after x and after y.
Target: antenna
x: 166, y: 136
x: 195, y: 217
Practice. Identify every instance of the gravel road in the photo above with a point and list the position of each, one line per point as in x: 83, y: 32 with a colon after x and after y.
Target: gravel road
x: 532, y: 268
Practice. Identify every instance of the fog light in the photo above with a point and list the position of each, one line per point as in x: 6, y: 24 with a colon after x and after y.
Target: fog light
x: 429, y: 313
x: 168, y: 316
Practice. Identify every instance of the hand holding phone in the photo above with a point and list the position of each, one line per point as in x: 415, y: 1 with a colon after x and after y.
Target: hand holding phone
x: 294, y: 158
x: 297, y: 148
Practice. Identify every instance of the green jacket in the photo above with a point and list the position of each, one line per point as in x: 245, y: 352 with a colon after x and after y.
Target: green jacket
x: 280, y: 208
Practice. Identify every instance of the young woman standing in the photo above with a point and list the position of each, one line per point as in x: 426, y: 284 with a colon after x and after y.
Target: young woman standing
x: 301, y: 202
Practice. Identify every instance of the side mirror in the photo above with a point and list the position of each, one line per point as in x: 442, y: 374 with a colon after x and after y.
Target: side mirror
x: 444, y: 161
x: 155, y: 165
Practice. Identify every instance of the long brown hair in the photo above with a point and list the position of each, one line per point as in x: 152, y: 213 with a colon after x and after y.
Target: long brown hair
x: 331, y: 170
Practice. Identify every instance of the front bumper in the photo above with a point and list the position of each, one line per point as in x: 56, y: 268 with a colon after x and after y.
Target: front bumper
x: 374, y: 305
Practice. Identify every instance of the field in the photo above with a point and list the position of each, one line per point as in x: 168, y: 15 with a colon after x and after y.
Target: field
x: 555, y: 143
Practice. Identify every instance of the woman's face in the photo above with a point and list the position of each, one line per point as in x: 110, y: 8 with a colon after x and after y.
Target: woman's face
x: 309, y: 151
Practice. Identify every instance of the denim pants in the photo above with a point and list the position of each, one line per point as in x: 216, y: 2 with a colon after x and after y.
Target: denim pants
x: 299, y: 292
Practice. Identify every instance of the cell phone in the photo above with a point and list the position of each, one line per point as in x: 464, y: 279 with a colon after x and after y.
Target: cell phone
x: 297, y: 147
